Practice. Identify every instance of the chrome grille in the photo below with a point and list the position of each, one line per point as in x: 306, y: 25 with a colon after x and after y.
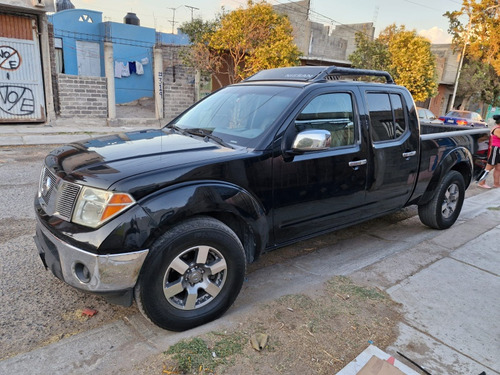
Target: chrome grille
x: 58, y: 197
x: 66, y: 199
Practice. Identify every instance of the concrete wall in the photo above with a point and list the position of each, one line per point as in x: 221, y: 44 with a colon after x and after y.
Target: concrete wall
x: 446, y: 63
x: 53, y: 72
x: 178, y: 83
x: 46, y: 6
x: 324, y: 44
x: 82, y: 96
x: 321, y: 42
x: 297, y: 13
x: 348, y: 33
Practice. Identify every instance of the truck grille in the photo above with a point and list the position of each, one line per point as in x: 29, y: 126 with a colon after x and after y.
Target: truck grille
x: 58, y: 197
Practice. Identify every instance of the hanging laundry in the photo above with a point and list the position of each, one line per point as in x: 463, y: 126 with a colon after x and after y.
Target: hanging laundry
x: 126, y: 70
x: 131, y: 65
x: 144, y: 61
x: 118, y: 69
x: 139, y: 69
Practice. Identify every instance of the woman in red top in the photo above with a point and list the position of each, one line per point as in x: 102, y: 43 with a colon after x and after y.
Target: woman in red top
x: 493, y: 158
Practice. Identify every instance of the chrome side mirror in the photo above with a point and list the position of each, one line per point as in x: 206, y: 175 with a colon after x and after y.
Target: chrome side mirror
x: 312, y: 140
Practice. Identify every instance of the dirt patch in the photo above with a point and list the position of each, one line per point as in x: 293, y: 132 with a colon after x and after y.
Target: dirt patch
x: 315, y: 333
x: 140, y: 108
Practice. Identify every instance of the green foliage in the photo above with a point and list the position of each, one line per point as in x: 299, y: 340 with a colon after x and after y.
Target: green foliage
x: 253, y: 39
x: 479, y: 81
x: 242, y: 42
x: 480, y: 31
x: 196, y: 356
x: 198, y: 30
x: 404, y: 54
x: 191, y: 355
x: 370, y: 54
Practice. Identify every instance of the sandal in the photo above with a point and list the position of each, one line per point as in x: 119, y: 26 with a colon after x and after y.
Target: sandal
x: 484, y: 186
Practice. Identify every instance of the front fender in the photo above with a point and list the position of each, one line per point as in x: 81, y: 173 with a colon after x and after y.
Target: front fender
x: 224, y: 201
x: 459, y: 159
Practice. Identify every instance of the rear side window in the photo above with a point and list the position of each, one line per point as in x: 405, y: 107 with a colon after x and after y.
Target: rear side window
x: 387, y: 116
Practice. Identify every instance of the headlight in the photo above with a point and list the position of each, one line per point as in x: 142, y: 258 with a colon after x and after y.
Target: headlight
x: 95, y: 206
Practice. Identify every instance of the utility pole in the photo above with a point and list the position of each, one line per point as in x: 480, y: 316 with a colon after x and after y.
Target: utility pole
x: 191, y: 9
x: 452, y: 104
x: 173, y: 18
x: 467, y: 36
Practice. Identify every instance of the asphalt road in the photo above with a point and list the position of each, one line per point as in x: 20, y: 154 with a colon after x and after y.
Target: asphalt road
x: 36, y: 308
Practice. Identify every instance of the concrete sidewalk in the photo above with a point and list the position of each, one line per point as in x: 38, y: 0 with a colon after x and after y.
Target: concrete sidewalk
x: 449, y: 287
x: 70, y: 130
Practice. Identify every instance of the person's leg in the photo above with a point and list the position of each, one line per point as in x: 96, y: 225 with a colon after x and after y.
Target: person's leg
x: 496, y: 176
x: 482, y: 177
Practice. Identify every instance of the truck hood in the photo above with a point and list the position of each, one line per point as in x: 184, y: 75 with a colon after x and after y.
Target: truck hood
x: 102, y: 162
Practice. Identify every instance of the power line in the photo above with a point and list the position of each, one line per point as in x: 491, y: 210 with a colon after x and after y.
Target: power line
x: 101, y: 38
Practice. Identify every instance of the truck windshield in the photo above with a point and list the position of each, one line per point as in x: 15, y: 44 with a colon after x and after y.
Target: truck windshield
x: 238, y: 115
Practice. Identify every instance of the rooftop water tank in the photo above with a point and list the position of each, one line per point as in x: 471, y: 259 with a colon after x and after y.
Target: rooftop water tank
x: 131, y: 19
x: 64, y: 5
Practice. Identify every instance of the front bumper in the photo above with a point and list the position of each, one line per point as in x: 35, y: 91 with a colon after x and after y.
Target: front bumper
x: 102, y: 274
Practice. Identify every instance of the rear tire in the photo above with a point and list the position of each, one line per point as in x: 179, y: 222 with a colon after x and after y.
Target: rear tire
x: 192, y: 275
x: 443, y: 210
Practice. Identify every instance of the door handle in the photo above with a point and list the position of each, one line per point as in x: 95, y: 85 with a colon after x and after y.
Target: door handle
x: 409, y: 154
x: 357, y: 163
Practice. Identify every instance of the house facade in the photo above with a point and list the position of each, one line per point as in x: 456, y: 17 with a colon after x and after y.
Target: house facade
x: 25, y: 78
x: 80, y: 37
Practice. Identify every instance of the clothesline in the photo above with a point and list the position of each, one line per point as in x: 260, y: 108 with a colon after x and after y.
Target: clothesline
x: 125, y: 69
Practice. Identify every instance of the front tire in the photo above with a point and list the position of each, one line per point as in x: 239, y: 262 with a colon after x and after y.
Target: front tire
x: 192, y: 275
x: 443, y: 210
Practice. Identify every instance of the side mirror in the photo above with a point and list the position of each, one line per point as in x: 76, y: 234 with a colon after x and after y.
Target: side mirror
x: 312, y: 140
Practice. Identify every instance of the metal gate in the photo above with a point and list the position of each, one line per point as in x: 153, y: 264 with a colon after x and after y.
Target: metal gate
x: 21, y: 81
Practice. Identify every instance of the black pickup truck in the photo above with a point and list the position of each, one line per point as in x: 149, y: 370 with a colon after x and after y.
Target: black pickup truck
x: 171, y: 217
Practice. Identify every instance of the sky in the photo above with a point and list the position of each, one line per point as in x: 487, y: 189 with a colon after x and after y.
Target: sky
x: 425, y: 16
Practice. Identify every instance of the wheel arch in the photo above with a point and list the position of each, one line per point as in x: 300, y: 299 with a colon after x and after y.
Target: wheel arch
x: 460, y: 160
x: 228, y: 203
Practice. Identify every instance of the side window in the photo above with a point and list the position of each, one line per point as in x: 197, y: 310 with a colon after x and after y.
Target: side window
x: 386, y: 115
x: 399, y: 115
x: 333, y: 112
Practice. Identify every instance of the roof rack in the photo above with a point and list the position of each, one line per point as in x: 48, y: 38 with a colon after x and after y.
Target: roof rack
x: 315, y: 74
x: 334, y: 72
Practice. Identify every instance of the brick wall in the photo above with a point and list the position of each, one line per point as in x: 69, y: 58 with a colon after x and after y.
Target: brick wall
x: 82, y: 96
x: 178, y: 82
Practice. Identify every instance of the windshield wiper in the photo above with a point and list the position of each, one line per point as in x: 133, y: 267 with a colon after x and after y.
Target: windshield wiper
x: 207, y: 134
x: 200, y: 132
x: 176, y: 128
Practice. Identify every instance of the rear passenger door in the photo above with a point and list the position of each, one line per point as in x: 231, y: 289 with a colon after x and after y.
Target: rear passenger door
x: 319, y: 190
x: 395, y: 144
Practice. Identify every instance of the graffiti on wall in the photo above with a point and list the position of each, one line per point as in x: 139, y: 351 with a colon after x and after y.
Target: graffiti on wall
x: 10, y: 59
x: 17, y: 100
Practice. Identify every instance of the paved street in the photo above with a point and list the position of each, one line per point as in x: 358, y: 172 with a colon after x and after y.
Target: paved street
x: 446, y: 281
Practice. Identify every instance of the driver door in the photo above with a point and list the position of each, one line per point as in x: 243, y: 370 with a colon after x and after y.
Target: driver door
x: 320, y: 190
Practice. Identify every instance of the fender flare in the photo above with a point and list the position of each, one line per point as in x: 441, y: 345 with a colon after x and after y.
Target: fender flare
x: 229, y: 203
x: 459, y: 159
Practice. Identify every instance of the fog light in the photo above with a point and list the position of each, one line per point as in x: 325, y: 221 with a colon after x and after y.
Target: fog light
x: 82, y: 273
